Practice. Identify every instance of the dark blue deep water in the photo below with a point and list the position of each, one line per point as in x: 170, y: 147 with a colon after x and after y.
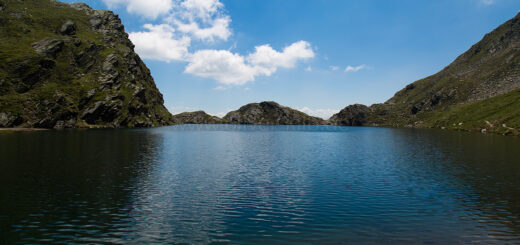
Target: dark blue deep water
x: 200, y: 184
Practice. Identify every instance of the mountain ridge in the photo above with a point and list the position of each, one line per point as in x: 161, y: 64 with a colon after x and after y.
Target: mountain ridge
x: 478, y: 91
x: 261, y: 113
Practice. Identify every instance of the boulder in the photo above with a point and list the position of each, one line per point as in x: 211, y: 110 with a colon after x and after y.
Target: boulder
x: 48, y: 47
x: 68, y: 28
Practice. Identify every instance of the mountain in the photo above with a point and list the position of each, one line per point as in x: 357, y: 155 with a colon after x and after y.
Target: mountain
x: 270, y: 112
x: 66, y: 66
x: 196, y: 117
x: 479, y: 91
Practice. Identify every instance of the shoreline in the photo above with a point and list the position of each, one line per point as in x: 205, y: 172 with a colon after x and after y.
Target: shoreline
x: 23, y: 129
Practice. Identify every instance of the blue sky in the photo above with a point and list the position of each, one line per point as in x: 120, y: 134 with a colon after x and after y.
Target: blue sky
x: 314, y: 55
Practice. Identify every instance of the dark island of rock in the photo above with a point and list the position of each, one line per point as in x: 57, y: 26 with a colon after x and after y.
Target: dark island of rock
x: 263, y: 113
x: 196, y: 117
x: 67, y: 66
x: 270, y: 112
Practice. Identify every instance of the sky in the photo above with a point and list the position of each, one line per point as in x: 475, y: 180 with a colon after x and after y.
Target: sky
x: 317, y: 56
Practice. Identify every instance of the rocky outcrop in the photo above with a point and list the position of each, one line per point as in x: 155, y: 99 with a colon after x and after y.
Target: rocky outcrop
x: 270, y: 113
x: 68, y: 28
x: 352, y: 115
x: 75, y: 67
x: 196, y: 117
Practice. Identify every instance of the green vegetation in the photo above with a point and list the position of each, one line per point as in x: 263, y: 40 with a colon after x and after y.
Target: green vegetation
x: 499, y: 114
x: 479, y: 91
x: 85, y: 76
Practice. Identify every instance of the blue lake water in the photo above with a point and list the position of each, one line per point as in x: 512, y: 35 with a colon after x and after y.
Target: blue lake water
x: 200, y: 184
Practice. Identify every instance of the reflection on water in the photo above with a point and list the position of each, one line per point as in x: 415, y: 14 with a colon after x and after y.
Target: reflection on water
x: 259, y: 184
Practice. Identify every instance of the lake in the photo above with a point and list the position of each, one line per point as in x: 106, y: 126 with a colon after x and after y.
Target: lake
x: 243, y: 184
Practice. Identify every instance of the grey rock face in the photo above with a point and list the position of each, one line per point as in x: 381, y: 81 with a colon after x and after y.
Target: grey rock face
x: 9, y: 120
x: 196, y: 117
x: 352, y: 115
x: 270, y: 113
x: 85, y: 74
x: 81, y: 6
x: 68, y: 28
x: 4, y: 120
x: 48, y: 47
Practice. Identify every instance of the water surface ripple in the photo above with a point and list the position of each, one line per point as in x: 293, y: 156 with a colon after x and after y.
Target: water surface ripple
x: 202, y: 184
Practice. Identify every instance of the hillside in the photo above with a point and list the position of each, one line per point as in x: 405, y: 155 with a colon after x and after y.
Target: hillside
x: 196, y: 117
x: 270, y: 112
x: 65, y: 66
x: 476, y: 92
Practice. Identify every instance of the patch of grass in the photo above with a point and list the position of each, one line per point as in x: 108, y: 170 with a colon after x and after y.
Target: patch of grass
x: 490, y: 114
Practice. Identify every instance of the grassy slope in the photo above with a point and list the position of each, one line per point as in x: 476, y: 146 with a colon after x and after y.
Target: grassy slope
x: 15, y: 48
x: 477, y: 71
x: 499, y: 114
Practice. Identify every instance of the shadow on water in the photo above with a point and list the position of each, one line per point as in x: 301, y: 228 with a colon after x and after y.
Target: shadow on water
x: 71, y: 185
x: 474, y: 176
x: 259, y: 184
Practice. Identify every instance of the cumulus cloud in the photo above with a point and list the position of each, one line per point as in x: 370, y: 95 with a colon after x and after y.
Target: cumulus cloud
x: 334, y: 68
x: 159, y: 43
x: 355, y: 68
x: 187, y: 21
x: 309, y: 68
x: 202, y: 9
x: 233, y: 69
x: 221, y: 65
x: 323, y: 113
x: 269, y: 59
x: 219, y: 28
x: 203, y: 19
x: 147, y: 8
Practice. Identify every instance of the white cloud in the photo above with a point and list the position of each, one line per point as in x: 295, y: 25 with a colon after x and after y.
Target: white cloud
x: 159, y: 43
x: 268, y: 59
x: 334, y: 68
x: 206, y: 21
x: 221, y: 65
x: 202, y: 9
x: 355, y: 68
x: 202, y: 19
x: 220, y: 114
x: 309, y: 68
x: 233, y: 69
x: 147, y: 8
x: 323, y: 113
x: 186, y: 21
x: 219, y: 28
x: 487, y: 2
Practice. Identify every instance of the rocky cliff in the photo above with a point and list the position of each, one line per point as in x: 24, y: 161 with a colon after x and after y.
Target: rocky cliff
x: 270, y: 113
x: 196, y: 117
x: 64, y: 66
x: 479, y: 91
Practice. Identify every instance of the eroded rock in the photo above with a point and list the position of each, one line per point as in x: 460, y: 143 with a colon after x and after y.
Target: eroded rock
x: 68, y: 28
x: 48, y: 47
